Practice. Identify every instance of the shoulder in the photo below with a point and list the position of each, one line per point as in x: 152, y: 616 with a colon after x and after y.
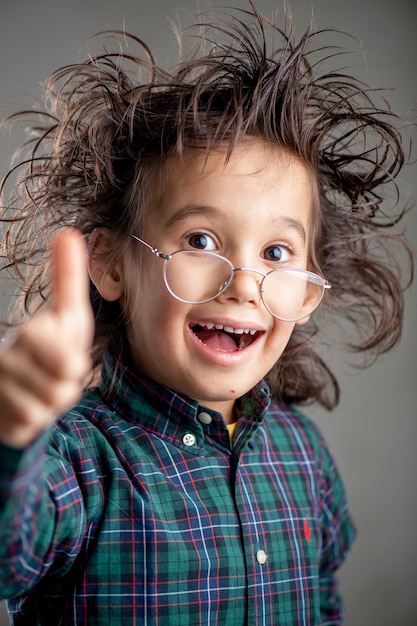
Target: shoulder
x: 291, y: 433
x: 81, y: 425
x: 290, y: 423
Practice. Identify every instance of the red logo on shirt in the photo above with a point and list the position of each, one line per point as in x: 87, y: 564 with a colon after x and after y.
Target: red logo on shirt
x: 307, y: 530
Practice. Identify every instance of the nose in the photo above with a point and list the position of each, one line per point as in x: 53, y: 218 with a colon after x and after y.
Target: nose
x: 245, y: 286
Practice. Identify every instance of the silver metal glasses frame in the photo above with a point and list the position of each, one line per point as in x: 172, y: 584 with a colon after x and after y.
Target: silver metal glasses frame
x: 313, y: 277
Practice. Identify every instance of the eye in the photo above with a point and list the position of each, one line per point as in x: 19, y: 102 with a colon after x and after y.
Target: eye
x: 279, y: 253
x: 201, y: 241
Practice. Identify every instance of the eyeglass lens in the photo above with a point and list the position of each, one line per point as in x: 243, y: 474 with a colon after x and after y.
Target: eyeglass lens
x: 196, y: 277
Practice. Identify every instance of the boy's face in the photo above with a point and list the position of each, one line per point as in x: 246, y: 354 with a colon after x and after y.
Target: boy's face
x: 256, y: 210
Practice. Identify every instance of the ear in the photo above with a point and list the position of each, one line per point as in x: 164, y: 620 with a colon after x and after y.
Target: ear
x: 108, y: 279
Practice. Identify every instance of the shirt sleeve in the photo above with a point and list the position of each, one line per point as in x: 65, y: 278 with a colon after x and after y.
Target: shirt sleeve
x: 42, y: 516
x: 338, y: 534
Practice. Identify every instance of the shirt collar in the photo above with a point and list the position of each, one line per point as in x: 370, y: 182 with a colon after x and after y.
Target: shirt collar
x: 172, y: 415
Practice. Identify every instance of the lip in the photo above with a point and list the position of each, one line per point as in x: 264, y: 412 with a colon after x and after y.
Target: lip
x: 217, y: 356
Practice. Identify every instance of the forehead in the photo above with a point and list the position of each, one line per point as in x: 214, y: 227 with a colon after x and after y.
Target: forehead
x: 250, y: 158
x: 256, y: 174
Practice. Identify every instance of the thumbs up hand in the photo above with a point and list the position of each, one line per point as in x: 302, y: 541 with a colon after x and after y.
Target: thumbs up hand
x: 44, y: 369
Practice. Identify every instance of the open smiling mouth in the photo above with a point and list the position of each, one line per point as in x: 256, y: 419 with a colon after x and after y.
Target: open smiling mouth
x: 224, y: 338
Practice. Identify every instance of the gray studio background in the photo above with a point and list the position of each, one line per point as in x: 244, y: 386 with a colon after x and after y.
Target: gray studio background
x: 373, y: 432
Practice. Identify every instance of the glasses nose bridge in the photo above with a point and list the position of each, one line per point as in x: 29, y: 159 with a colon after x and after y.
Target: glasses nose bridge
x: 253, y: 271
x: 249, y: 269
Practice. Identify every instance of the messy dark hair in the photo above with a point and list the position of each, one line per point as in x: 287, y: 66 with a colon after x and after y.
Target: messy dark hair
x: 112, y: 123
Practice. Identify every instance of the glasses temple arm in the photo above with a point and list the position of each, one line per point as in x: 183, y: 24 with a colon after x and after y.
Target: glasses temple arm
x: 152, y: 249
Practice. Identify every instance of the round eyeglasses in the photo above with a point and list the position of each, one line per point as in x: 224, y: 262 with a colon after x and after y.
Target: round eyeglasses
x: 199, y: 276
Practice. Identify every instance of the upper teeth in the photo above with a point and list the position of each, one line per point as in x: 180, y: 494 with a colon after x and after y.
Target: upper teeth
x: 230, y: 329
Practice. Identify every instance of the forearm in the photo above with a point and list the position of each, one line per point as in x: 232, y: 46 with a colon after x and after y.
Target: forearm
x: 34, y: 514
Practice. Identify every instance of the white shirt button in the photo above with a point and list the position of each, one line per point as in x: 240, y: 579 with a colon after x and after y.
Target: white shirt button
x: 188, y: 439
x: 205, y: 418
x: 261, y: 557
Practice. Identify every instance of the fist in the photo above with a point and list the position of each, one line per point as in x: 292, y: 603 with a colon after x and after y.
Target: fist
x: 44, y: 370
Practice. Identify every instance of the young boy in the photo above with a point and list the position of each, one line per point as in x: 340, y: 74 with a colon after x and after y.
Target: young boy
x: 222, y: 204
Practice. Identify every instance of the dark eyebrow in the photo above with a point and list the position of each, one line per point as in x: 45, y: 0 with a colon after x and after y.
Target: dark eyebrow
x: 190, y: 210
x: 293, y: 224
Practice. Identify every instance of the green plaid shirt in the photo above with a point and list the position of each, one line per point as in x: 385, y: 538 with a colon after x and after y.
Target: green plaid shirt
x: 138, y: 509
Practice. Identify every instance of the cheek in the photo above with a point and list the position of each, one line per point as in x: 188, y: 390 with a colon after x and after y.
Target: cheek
x: 145, y: 288
x: 280, y: 336
x: 154, y: 315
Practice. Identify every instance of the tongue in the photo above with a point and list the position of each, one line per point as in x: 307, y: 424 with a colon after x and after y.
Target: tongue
x: 217, y: 340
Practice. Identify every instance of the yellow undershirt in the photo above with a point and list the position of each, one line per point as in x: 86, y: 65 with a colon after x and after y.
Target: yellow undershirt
x: 232, y: 428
